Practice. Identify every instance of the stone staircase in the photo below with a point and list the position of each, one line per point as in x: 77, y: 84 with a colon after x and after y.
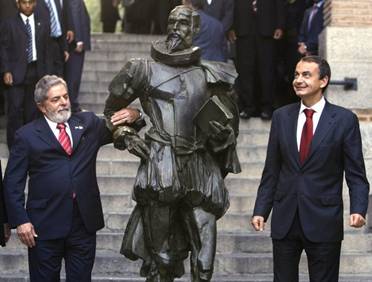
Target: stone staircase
x: 242, y: 254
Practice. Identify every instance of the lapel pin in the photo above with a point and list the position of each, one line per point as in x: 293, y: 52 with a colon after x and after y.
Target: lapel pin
x: 79, y: 127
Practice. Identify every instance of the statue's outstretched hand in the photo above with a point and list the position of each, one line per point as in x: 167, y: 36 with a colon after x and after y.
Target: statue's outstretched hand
x: 135, y: 145
x: 221, y: 136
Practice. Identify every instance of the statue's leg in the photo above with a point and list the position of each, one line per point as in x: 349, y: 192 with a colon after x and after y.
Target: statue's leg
x: 201, y: 226
x: 158, y: 221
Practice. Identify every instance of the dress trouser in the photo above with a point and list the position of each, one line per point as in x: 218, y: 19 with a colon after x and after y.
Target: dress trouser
x: 323, y: 258
x: 255, y: 62
x: 78, y: 249
x: 73, y: 73
x: 21, y: 107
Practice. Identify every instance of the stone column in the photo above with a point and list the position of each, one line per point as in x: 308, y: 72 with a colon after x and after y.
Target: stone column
x: 346, y: 43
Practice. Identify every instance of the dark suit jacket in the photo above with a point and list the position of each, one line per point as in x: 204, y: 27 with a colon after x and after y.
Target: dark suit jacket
x: 81, y: 22
x: 64, y: 18
x: 14, y: 43
x: 8, y: 9
x: 211, y: 38
x: 314, y: 188
x: 54, y: 176
x: 109, y: 13
x: 222, y: 10
x: 270, y: 16
x: 310, y: 36
x: 3, y: 217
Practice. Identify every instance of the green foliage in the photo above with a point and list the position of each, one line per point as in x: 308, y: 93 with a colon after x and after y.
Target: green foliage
x: 94, y: 10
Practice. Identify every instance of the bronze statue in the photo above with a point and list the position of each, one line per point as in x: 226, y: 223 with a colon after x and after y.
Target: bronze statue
x: 185, y: 155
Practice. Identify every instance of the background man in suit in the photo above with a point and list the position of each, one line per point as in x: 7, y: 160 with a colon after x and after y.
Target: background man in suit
x: 312, y: 26
x: 80, y: 44
x: 56, y: 13
x: 4, y: 226
x: 109, y: 15
x: 257, y: 24
x: 63, y: 211
x: 211, y: 37
x: 8, y: 9
x: 24, y: 57
x: 311, y: 145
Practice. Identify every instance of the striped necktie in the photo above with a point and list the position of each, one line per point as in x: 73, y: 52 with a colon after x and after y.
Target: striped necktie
x: 64, y: 139
x: 55, y: 27
x: 29, y: 42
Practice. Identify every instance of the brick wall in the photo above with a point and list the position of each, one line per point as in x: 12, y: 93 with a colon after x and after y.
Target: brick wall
x: 363, y: 114
x: 348, y: 13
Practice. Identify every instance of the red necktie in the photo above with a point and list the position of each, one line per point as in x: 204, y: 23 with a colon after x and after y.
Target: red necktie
x: 64, y: 139
x: 307, y: 135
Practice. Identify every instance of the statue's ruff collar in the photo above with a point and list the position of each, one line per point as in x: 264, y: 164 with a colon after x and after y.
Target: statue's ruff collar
x: 185, y: 57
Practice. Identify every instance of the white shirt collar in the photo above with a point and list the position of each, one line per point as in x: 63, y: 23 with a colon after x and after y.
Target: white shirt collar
x: 30, y: 18
x: 318, y: 107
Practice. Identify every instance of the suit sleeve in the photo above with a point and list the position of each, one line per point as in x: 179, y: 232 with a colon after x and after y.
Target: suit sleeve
x: 228, y: 17
x: 15, y: 182
x: 76, y: 7
x: 270, y: 174
x: 302, y: 33
x: 355, y: 172
x: 4, y: 46
x: 280, y: 8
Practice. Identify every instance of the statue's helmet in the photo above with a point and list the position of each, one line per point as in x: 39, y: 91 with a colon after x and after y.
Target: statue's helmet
x: 183, y: 24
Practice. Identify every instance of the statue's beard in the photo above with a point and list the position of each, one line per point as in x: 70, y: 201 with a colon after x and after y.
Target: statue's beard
x: 174, y: 42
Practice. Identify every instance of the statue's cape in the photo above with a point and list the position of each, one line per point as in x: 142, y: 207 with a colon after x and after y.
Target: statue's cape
x: 217, y: 72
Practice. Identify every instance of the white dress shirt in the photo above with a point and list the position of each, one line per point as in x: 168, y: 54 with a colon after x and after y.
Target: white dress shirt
x: 31, y: 21
x: 318, y: 108
x: 209, y: 2
x: 55, y: 130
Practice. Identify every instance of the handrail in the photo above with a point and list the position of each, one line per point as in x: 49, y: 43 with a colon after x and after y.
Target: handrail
x: 348, y: 83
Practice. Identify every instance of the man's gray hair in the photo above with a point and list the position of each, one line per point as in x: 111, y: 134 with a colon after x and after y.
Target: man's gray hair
x: 44, y: 84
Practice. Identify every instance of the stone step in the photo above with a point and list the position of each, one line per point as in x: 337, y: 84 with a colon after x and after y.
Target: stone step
x: 231, y: 221
x: 124, y: 38
x: 117, y: 46
x: 227, y: 242
x: 110, y: 65
x: 98, y: 76
x: 112, y: 263
x: 121, y: 56
x: 216, y: 278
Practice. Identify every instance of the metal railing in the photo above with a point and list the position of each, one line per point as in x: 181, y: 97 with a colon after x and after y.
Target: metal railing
x: 349, y: 83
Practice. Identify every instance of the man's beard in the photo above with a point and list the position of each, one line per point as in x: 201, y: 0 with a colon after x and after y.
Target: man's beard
x: 60, y: 116
x: 174, y: 42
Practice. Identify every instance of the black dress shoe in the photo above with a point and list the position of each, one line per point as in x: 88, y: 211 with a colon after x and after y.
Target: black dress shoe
x: 266, y: 115
x: 245, y: 115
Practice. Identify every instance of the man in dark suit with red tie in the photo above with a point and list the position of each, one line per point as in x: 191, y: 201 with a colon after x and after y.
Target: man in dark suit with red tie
x: 24, y: 57
x: 312, y: 144
x: 63, y: 211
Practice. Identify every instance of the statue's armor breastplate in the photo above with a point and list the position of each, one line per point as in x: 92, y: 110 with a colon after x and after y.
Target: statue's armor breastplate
x: 175, y: 96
